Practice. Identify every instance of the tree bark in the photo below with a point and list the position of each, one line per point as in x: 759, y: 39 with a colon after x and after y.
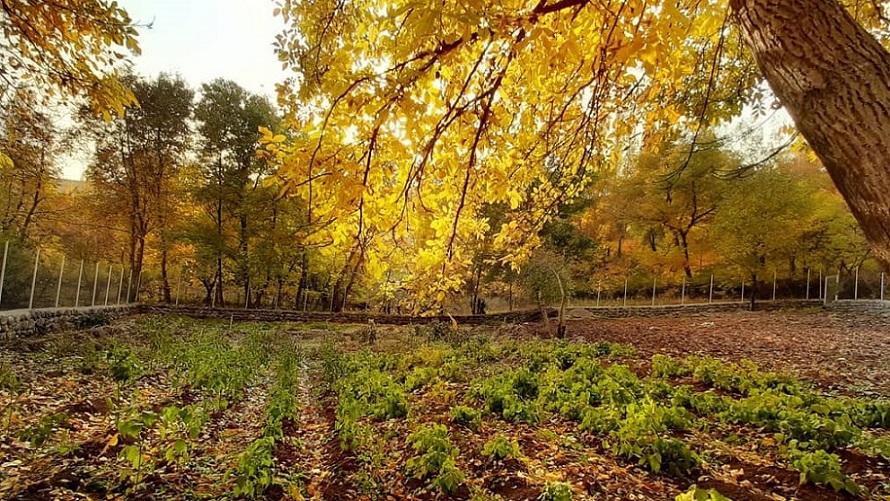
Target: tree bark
x: 833, y: 77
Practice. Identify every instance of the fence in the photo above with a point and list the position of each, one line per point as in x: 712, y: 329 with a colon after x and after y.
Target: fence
x: 34, y: 279
x: 813, y: 284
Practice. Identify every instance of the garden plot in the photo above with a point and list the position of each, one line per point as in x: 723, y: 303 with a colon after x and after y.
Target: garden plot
x: 167, y: 408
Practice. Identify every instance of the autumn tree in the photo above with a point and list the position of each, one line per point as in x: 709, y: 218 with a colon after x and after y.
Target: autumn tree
x: 675, y: 192
x: 66, y: 47
x: 137, y: 159
x: 229, y: 120
x: 31, y: 142
x: 452, y: 102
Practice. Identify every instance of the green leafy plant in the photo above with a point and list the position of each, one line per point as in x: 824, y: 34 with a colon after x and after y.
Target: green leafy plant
x: 556, y: 491
x: 500, y: 448
x: 466, y: 416
x: 820, y: 467
x: 123, y: 364
x: 39, y: 433
x: 435, y: 459
x: 697, y: 494
x: 255, y: 468
x: 9, y: 381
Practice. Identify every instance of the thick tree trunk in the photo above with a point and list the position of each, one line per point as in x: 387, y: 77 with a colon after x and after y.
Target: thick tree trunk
x: 833, y: 77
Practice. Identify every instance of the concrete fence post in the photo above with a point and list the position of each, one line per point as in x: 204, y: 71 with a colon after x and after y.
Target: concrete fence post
x: 95, y: 285
x: 3, y: 269
x: 120, y: 286
x: 683, y: 291
x: 654, y: 282
x: 34, y: 280
x: 775, y: 275
x: 129, y: 284
x: 108, y: 283
x: 711, y: 290
x: 882, y: 286
x: 743, y: 290
x: 59, y: 286
x: 79, y: 281
x: 820, y: 283
x: 598, y: 291
x: 625, y: 292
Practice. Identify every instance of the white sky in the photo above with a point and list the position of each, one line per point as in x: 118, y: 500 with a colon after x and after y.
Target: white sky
x: 202, y: 40
x: 206, y: 39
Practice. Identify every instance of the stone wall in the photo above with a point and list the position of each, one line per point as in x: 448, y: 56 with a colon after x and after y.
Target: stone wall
x: 24, y: 323
x: 867, y: 306
x: 237, y: 314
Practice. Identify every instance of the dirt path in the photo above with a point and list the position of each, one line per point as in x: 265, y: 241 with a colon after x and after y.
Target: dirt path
x: 847, y: 352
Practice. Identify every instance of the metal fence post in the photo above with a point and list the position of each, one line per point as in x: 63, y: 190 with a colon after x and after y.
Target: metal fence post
x: 654, y: 282
x: 247, y: 297
x: 95, y: 284
x: 882, y: 286
x: 3, y: 269
x: 59, y: 287
x: 743, y: 290
x: 683, y: 291
x: 711, y: 290
x: 856, y: 285
x: 120, y: 286
x: 774, y: 284
x: 108, y: 284
x: 34, y: 280
x: 79, y: 280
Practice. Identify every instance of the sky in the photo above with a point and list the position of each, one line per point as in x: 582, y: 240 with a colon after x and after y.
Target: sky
x: 202, y: 40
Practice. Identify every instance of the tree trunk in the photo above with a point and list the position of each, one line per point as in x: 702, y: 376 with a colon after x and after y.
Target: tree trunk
x: 833, y: 77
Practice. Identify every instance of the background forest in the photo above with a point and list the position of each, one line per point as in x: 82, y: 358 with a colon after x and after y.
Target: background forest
x: 176, y: 192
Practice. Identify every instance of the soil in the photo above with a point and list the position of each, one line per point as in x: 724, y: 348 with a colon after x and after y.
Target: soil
x: 843, y: 352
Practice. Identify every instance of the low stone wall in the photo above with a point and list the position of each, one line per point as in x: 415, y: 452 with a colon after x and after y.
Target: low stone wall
x: 681, y: 310
x: 866, y: 306
x: 240, y: 315
x: 24, y: 323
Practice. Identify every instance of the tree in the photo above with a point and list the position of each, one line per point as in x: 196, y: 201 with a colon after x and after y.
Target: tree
x: 453, y: 102
x: 833, y: 77
x: 70, y: 47
x: 31, y: 142
x: 674, y: 198
x: 759, y: 223
x: 137, y: 160
x: 229, y: 121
